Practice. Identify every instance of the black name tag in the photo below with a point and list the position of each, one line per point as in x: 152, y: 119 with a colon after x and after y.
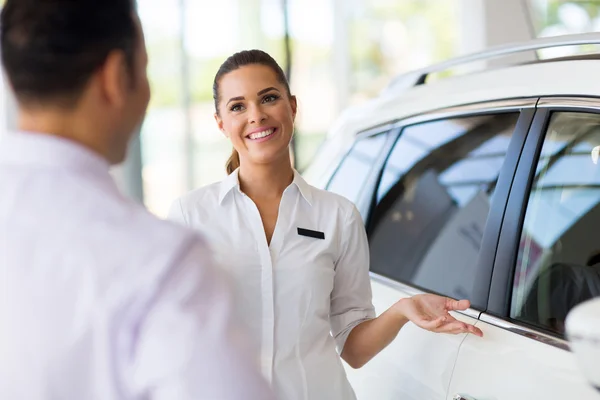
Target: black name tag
x: 312, y: 234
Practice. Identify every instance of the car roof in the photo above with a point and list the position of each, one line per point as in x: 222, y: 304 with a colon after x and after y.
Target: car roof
x: 574, y: 77
x: 549, y: 78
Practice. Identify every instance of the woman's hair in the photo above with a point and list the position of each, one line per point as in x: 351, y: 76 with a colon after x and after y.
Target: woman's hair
x: 236, y: 61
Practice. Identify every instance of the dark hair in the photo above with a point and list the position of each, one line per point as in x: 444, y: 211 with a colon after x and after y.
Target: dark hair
x: 50, y: 49
x: 236, y: 61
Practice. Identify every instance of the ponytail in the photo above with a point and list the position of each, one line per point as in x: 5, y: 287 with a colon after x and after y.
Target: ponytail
x: 233, y: 162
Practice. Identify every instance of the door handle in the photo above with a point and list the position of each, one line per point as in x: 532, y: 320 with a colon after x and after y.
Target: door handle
x: 462, y: 397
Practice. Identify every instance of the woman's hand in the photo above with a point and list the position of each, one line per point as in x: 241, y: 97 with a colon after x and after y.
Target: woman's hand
x: 431, y: 312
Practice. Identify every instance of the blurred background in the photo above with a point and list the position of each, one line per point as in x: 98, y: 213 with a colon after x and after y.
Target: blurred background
x: 338, y: 53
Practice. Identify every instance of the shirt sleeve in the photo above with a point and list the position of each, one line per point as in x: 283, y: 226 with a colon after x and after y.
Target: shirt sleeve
x: 188, y: 346
x: 351, y: 298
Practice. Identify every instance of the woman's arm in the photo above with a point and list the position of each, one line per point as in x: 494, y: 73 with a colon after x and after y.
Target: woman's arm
x: 370, y: 337
x: 428, y: 311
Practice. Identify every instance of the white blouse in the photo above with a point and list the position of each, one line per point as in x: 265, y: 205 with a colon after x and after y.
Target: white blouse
x: 302, y: 295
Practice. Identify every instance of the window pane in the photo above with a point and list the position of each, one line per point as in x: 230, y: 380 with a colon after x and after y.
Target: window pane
x: 433, y: 201
x: 556, y: 266
x: 419, y: 141
x: 354, y: 170
x: 472, y: 169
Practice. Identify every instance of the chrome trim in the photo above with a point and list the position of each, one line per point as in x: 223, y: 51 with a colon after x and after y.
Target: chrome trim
x: 413, y: 78
x: 463, y: 110
x: 471, y: 312
x: 461, y: 397
x: 588, y: 103
x: 412, y: 291
x: 375, y: 130
x: 524, y: 331
x: 484, y: 107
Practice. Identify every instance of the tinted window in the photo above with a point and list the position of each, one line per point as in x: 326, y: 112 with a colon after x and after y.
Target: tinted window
x: 558, y: 265
x: 433, y: 201
x: 354, y: 170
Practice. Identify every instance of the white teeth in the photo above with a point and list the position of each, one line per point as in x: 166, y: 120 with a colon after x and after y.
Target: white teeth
x: 262, y: 134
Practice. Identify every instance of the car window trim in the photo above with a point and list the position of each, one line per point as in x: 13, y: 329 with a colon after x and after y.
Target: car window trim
x: 390, y: 131
x: 500, y: 296
x: 364, y: 203
x: 394, y: 128
x: 525, y: 331
x: 470, y: 110
x: 566, y: 104
x: 526, y: 109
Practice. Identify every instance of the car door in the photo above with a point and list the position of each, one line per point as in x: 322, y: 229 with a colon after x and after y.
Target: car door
x: 429, y: 216
x: 548, y: 261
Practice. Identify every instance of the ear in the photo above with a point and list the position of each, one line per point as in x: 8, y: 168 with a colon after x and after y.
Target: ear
x: 220, y: 125
x: 294, y: 105
x: 114, y: 79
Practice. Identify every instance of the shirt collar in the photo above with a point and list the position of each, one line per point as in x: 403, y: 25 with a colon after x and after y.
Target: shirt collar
x: 46, y: 150
x: 232, y: 181
x: 304, y: 188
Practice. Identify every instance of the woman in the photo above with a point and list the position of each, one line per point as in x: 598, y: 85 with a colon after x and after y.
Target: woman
x: 298, y: 255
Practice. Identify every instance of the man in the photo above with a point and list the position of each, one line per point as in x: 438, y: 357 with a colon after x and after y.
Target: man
x: 98, y: 299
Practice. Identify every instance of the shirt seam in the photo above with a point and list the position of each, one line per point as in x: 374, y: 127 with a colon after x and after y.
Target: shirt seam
x: 185, y: 220
x: 343, y: 245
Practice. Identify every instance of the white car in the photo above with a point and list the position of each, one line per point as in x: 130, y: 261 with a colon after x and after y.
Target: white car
x: 483, y: 186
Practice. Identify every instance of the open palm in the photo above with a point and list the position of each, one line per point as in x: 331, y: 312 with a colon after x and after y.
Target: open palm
x: 431, y: 312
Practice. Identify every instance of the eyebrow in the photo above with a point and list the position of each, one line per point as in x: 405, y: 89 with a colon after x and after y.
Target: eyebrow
x: 258, y: 94
x: 266, y: 90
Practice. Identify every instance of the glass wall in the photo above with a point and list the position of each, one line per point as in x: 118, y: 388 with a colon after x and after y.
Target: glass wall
x: 389, y: 37
x: 182, y: 148
x: 560, y: 17
x: 188, y: 40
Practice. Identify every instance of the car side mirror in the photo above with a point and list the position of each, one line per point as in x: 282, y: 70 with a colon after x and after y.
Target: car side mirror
x: 583, y: 333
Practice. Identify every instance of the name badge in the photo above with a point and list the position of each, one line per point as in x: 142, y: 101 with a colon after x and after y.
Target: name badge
x: 312, y: 234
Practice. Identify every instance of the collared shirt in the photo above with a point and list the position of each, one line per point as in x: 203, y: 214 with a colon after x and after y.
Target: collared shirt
x: 302, y: 294
x: 98, y: 299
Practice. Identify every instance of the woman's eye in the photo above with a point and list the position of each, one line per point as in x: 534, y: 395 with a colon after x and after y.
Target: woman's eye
x: 270, y: 98
x: 236, y: 107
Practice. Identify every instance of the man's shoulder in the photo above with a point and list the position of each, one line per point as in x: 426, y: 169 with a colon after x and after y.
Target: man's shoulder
x: 156, y: 233
x: 149, y: 247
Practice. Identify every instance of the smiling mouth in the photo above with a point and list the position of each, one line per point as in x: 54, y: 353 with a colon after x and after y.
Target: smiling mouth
x: 261, y: 135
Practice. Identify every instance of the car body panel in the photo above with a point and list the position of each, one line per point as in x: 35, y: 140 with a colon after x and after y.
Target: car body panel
x: 505, y: 365
x: 403, y: 370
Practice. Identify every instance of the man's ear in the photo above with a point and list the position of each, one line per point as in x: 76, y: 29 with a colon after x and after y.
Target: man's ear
x: 115, y: 79
x: 220, y: 125
x: 294, y: 105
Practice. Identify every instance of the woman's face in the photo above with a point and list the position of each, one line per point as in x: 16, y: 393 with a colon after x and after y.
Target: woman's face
x: 256, y: 114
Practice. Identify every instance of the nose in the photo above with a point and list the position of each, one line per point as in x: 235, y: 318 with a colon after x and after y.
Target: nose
x: 257, y: 115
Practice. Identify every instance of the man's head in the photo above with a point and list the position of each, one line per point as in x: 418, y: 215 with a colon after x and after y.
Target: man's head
x: 78, y: 69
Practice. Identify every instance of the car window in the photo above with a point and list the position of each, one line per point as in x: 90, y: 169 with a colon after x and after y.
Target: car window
x: 433, y: 201
x: 558, y: 263
x: 354, y: 170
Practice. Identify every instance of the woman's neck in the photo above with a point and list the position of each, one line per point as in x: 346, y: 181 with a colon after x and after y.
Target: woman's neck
x: 266, y: 181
